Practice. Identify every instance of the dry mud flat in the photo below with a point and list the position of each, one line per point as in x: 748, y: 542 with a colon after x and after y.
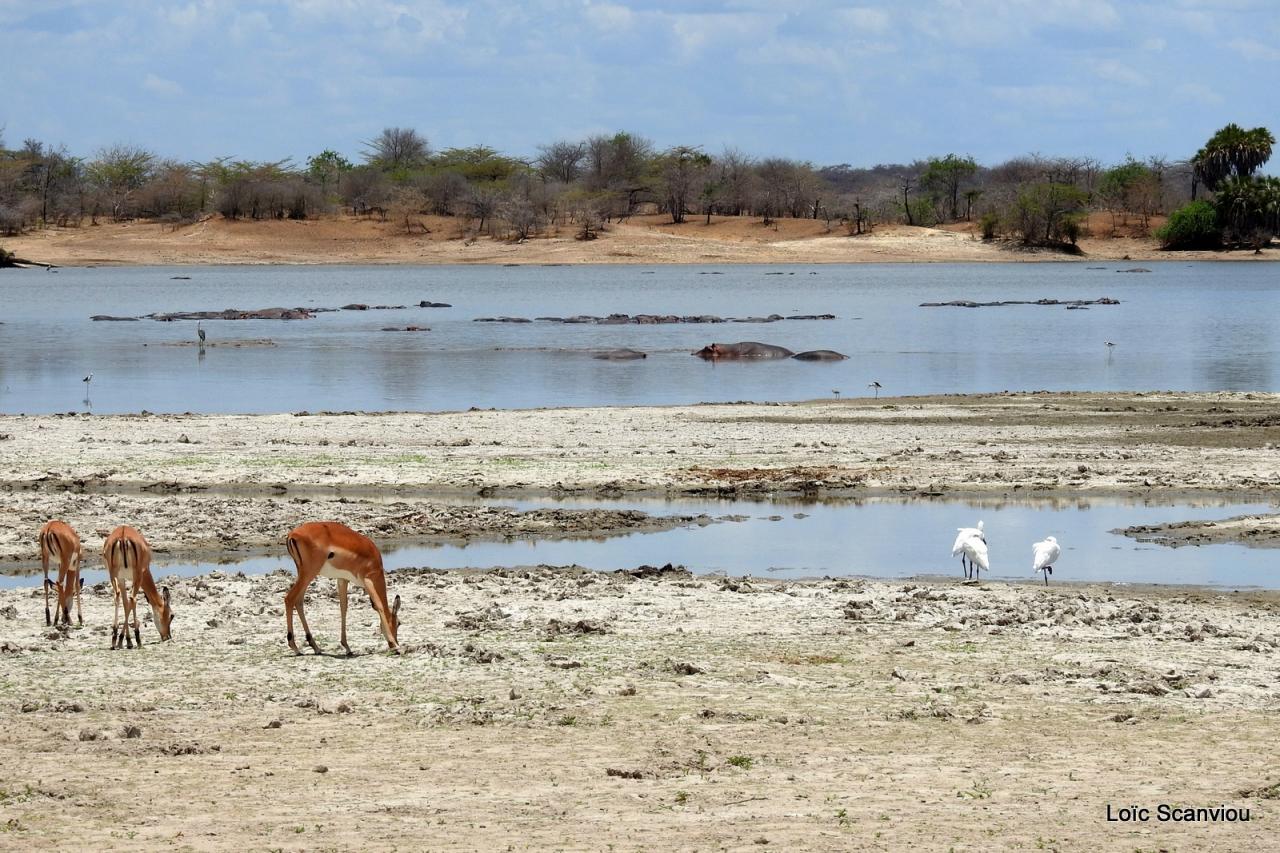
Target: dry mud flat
x: 548, y: 708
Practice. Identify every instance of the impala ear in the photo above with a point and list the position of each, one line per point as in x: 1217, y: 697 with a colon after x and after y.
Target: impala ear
x: 164, y: 590
x: 82, y: 583
x: 395, y: 607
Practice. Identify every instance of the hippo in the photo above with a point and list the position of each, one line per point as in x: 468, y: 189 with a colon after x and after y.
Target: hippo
x: 743, y: 349
x: 619, y: 355
x: 820, y: 355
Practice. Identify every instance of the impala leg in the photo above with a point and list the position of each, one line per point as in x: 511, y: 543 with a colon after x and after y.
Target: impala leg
x: 79, y: 589
x: 115, y: 613
x: 48, y: 618
x: 133, y: 610
x: 293, y: 600
x: 342, y: 610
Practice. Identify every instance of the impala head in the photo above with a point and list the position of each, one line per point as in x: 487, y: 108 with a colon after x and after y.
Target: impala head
x: 163, y: 615
x: 393, y: 620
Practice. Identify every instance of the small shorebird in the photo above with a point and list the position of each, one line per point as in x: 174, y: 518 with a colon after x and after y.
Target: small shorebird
x: 836, y: 392
x: 963, y: 535
x: 1044, y: 554
x: 88, y: 379
x: 1110, y: 344
x: 877, y: 386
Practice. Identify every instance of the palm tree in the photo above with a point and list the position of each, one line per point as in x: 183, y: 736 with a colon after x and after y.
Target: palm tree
x: 1232, y: 152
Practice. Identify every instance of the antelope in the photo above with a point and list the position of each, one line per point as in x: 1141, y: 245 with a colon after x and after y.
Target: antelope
x: 128, y: 559
x: 57, y: 538
x: 333, y: 550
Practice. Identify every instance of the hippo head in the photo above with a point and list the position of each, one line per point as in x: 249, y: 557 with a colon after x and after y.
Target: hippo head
x: 710, y: 351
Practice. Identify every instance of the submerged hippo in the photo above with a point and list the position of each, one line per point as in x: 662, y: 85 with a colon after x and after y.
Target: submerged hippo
x: 619, y: 355
x: 743, y: 349
x: 820, y: 355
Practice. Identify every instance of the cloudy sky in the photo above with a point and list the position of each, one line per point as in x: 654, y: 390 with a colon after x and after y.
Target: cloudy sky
x: 828, y: 82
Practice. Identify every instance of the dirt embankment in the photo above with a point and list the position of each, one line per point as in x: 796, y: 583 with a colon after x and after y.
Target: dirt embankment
x: 568, y: 709
x: 641, y: 240
x: 200, y: 482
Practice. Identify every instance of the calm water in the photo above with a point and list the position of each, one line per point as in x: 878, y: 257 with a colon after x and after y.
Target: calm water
x: 875, y: 538
x: 1183, y: 326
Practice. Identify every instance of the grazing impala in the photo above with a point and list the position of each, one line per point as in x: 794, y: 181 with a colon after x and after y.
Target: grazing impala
x: 336, y: 551
x: 57, y: 538
x: 128, y: 559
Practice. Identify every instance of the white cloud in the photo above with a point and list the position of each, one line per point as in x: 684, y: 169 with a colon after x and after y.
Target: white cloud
x: 609, y: 17
x: 863, y: 20
x: 1118, y: 72
x: 1255, y: 50
x: 161, y: 86
x: 1199, y: 93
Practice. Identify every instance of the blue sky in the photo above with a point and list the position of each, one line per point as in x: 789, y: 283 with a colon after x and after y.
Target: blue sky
x: 828, y: 82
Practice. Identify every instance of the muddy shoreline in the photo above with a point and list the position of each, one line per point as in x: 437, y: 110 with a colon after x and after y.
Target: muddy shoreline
x: 198, y: 482
x: 539, y: 706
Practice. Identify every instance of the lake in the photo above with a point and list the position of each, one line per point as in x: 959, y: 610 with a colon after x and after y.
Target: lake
x: 1184, y: 326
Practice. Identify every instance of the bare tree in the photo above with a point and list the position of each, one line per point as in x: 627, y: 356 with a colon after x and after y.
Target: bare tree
x: 397, y: 149
x: 561, y: 161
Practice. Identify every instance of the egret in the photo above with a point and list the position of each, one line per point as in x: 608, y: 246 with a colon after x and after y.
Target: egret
x: 877, y: 386
x: 975, y: 548
x: 200, y: 333
x: 963, y: 534
x: 1044, y: 555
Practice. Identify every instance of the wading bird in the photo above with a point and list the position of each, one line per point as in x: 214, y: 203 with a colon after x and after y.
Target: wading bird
x: 200, y: 333
x: 87, y: 379
x: 1044, y: 555
x: 962, y: 535
x: 877, y: 386
x: 975, y: 548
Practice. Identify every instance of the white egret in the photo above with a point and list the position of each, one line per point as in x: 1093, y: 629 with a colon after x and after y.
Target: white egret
x: 962, y: 534
x: 1044, y: 555
x: 975, y: 548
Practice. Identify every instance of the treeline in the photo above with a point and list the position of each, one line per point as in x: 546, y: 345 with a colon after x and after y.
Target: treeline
x: 592, y: 182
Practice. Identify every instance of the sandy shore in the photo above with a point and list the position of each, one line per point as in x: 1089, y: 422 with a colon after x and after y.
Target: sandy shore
x: 562, y: 709
x: 641, y: 240
x: 199, y: 483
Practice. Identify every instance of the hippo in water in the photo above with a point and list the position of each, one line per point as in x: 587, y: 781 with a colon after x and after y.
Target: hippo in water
x: 743, y: 349
x: 619, y: 355
x: 820, y: 355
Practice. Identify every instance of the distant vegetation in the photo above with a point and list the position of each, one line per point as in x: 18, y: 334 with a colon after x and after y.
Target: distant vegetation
x: 1245, y: 209
x: 587, y: 184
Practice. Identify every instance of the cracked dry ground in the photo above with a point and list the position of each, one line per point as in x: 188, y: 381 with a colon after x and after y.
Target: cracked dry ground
x: 543, y: 708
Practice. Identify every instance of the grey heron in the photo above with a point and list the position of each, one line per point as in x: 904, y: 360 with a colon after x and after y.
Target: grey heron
x: 200, y: 332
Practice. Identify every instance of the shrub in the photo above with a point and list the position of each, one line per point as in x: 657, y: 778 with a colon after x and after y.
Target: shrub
x: 1192, y: 226
x: 988, y: 224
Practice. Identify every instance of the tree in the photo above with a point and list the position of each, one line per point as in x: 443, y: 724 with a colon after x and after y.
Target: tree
x: 1131, y: 187
x: 1232, y: 152
x: 680, y: 173
x: 1049, y: 213
x: 118, y: 172
x: 561, y: 161
x: 943, y: 177
x: 327, y: 168
x: 397, y: 150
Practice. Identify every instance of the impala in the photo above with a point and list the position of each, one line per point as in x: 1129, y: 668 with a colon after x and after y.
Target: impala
x: 57, y: 538
x: 128, y: 559
x: 336, y: 551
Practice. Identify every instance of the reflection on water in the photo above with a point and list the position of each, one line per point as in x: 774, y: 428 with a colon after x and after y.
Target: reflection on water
x: 883, y: 538
x: 1183, y: 326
